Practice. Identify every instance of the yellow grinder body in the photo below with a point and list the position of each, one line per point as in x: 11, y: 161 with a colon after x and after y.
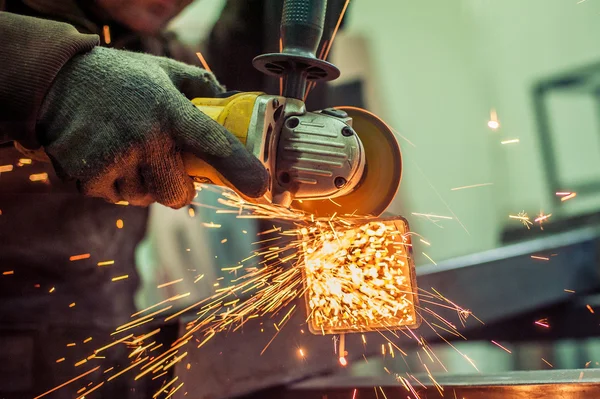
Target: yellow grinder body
x: 344, y: 160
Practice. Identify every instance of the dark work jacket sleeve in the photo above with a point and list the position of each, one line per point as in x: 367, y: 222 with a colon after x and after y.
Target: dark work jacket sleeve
x: 32, y: 52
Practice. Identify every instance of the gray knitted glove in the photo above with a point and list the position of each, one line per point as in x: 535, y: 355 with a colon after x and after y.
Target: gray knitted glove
x: 117, y: 123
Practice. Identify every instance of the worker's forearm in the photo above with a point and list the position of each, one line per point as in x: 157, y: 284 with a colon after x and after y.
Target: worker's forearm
x: 32, y: 52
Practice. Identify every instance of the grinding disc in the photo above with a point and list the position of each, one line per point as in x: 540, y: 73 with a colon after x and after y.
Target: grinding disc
x: 382, y: 175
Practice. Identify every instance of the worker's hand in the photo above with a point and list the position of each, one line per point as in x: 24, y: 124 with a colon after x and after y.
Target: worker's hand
x: 117, y: 123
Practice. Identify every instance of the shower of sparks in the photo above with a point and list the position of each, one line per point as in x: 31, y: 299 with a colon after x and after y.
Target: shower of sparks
x: 568, y: 197
x: 500, y: 346
x: 543, y: 323
x: 512, y: 141
x: 523, y: 218
x: 354, y: 274
x: 472, y: 186
x: 493, y: 122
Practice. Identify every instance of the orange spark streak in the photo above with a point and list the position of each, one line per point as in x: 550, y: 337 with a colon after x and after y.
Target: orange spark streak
x: 203, y: 61
x: 337, y: 27
x: 119, y: 278
x: 500, y: 346
x: 159, y: 375
x: 91, y: 390
x: 543, y: 323
x: 427, y: 256
x: 106, y: 263
x: 165, y: 387
x: 428, y: 215
x: 539, y: 257
x: 174, y: 361
x: 169, y: 283
x: 173, y: 391
x: 120, y: 224
x: 568, y: 197
x: 589, y: 308
x: 39, y: 177
x: 281, y: 78
x: 106, y: 34
x: 8, y: 273
x: 131, y: 323
x: 96, y: 351
x: 569, y: 291
x: 62, y: 359
x: 472, y: 186
x: 79, y: 257
x: 6, y: 168
x: 67, y: 383
x: 134, y: 364
x: 547, y: 362
x: 542, y: 217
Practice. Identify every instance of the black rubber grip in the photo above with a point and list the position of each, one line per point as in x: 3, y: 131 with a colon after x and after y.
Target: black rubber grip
x: 302, y: 25
x: 304, y: 12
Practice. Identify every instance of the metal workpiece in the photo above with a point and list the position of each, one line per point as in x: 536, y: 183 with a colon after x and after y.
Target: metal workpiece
x: 495, y: 285
x: 538, y: 384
